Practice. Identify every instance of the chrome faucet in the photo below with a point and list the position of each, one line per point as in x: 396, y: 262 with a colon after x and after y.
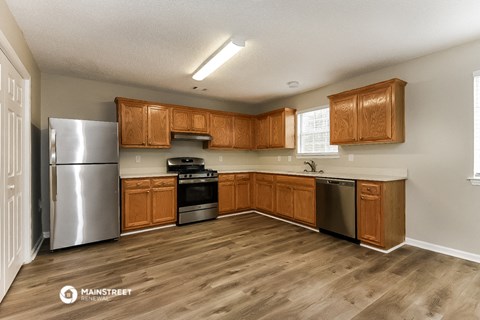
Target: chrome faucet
x: 312, y: 164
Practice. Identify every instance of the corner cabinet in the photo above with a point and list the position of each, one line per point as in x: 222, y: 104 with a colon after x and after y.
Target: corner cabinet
x: 275, y: 129
x: 381, y: 213
x: 371, y: 114
x: 148, y: 202
x: 142, y: 124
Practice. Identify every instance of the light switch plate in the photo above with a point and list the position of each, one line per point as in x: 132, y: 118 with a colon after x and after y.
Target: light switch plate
x: 138, y: 159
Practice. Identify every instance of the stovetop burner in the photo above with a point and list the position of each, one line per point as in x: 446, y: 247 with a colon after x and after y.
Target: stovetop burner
x: 190, y: 168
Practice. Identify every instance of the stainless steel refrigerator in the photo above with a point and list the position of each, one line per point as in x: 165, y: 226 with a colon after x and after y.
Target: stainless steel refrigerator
x: 84, y: 182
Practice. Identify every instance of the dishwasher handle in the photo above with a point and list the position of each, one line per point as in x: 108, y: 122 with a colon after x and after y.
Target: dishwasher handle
x: 339, y: 182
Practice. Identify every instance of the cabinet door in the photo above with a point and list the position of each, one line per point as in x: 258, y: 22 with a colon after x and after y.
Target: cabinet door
x: 133, y: 125
x: 370, y: 219
x: 343, y: 120
x: 199, y: 121
x: 226, y: 196
x: 242, y: 132
x: 375, y: 114
x: 158, y: 126
x: 243, y: 192
x: 264, y: 196
x: 221, y: 131
x: 262, y: 132
x: 284, y: 200
x: 164, y: 205
x: 304, y: 205
x: 136, y: 208
x: 277, y: 130
x: 181, y: 120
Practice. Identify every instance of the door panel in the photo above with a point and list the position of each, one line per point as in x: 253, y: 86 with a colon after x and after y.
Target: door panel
x: 375, y: 112
x: 343, y: 120
x: 164, y: 205
x: 81, y: 141
x: 284, y: 200
x: 277, y: 130
x: 242, y: 132
x: 134, y: 123
x: 158, y: 126
x: 222, y: 131
x: 86, y: 206
x: 262, y: 132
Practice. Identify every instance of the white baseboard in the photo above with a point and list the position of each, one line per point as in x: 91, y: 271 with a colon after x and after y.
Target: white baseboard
x: 445, y: 250
x: 146, y: 230
x: 381, y: 250
x: 35, y: 249
x: 287, y: 221
x: 235, y: 214
x: 46, y: 234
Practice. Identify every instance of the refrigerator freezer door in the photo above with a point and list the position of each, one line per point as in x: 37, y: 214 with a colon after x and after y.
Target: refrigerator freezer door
x: 82, y: 141
x: 84, y: 204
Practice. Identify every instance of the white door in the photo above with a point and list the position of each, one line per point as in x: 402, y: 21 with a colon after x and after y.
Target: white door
x: 11, y: 146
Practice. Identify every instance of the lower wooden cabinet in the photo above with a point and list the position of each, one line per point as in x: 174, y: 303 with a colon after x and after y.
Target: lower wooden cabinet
x: 234, y: 192
x: 265, y: 192
x: 148, y: 202
x: 381, y: 213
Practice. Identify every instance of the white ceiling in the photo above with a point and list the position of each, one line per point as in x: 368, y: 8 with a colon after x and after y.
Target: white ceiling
x: 160, y: 43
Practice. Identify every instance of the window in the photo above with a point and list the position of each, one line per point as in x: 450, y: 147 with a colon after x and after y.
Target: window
x: 476, y: 117
x: 314, y: 133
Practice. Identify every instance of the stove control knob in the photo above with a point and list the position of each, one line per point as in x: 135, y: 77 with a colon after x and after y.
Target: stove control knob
x: 189, y: 175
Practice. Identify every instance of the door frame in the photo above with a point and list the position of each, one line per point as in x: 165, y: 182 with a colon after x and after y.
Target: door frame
x: 9, y: 51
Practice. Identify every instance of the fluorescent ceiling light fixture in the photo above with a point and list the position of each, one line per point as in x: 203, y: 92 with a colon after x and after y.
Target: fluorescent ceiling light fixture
x: 222, y: 56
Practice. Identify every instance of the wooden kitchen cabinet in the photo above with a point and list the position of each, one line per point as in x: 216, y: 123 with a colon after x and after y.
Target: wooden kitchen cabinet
x: 295, y: 198
x: 148, y: 202
x: 265, y: 192
x: 243, y: 191
x: 276, y: 129
x: 142, y: 124
x: 371, y: 114
x: 189, y: 120
x: 226, y: 193
x: 243, y: 132
x: 221, y: 131
x: 381, y: 213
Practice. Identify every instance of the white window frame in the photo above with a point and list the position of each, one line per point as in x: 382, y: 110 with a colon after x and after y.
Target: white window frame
x: 312, y: 155
x: 475, y: 179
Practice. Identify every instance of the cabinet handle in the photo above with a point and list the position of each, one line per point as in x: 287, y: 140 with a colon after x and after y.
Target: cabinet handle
x: 368, y: 189
x: 362, y: 197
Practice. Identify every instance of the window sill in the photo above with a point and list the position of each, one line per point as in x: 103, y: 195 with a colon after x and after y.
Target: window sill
x: 317, y: 156
x: 475, y: 181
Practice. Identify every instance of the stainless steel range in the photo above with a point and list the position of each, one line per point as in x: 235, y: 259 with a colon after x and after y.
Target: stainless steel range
x: 197, y: 190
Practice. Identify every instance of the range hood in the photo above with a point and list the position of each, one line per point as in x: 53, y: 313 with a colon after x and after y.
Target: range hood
x: 191, y: 136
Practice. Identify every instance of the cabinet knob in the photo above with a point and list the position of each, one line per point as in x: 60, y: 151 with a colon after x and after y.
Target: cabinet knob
x: 369, y: 189
x: 362, y: 197
x: 138, y: 184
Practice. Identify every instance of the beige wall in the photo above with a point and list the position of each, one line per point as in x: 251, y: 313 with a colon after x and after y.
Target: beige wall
x: 14, y: 36
x: 443, y: 208
x: 67, y: 97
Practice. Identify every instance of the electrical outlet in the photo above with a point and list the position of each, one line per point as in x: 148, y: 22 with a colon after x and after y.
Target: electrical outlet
x: 289, y: 158
x: 138, y: 159
x: 350, y: 157
x: 279, y: 158
x: 220, y: 158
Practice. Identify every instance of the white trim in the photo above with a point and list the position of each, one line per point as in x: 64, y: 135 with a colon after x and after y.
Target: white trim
x: 36, y: 248
x: 46, y: 234
x: 227, y: 215
x: 287, y: 221
x: 476, y: 73
x: 475, y: 181
x: 325, y: 106
x: 444, y: 250
x: 146, y: 230
x: 27, y: 182
x: 382, y: 250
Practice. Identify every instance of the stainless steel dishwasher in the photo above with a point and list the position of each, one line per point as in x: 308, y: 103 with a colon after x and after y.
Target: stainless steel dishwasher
x: 336, y: 209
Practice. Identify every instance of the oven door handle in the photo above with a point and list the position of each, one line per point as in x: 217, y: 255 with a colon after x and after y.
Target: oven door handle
x: 193, y: 181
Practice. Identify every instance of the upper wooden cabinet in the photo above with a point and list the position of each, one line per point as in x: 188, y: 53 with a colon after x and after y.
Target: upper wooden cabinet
x: 243, y: 132
x: 189, y: 120
x: 142, y: 124
x: 371, y: 114
x: 221, y: 131
x: 275, y: 129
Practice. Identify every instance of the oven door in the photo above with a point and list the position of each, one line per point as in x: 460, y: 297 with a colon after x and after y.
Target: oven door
x: 197, y: 192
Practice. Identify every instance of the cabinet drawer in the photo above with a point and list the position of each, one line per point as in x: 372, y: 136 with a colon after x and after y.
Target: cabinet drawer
x: 163, y: 182
x: 370, y: 188
x: 264, y: 177
x: 226, y: 177
x: 299, y: 181
x: 242, y: 177
x: 136, y: 183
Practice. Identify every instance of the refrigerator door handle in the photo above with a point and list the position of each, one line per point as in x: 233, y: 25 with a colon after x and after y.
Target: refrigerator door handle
x: 54, y: 183
x: 53, y: 146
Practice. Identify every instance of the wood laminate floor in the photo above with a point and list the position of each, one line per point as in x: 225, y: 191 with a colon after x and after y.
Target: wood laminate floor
x: 246, y: 267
